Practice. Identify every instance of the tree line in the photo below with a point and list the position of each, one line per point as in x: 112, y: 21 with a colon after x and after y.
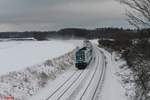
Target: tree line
x: 68, y: 33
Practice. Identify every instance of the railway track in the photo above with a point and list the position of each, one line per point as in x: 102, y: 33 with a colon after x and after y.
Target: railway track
x: 100, y: 82
x: 78, y: 85
x: 60, y: 91
x: 61, y: 85
x: 81, y: 84
x: 89, y: 83
x: 65, y: 86
x: 92, y: 87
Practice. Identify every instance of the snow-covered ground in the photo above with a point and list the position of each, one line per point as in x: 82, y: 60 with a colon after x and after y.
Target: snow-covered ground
x: 75, y: 84
x: 76, y: 42
x: 16, y: 55
x: 112, y: 86
x: 26, y: 66
x: 34, y: 65
x: 94, y: 41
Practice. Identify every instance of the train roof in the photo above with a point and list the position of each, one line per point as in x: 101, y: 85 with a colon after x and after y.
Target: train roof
x: 83, y: 49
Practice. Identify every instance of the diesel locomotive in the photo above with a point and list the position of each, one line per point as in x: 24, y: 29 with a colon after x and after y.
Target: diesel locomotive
x: 83, y: 56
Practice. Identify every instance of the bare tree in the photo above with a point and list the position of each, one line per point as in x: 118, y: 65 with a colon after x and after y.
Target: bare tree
x: 139, y: 14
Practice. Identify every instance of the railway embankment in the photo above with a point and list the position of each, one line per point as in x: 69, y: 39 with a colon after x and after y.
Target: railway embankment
x: 135, y: 74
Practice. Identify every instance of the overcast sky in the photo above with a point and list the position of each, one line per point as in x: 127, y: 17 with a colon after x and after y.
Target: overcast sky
x: 29, y: 15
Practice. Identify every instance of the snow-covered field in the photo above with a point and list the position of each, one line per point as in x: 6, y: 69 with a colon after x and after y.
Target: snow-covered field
x: 27, y: 65
x: 16, y: 55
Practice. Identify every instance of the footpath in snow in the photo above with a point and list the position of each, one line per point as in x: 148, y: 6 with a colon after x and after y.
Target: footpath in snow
x: 112, y: 86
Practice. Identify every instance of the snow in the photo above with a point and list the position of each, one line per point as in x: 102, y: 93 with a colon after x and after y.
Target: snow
x: 25, y: 81
x: 52, y: 86
x: 16, y: 39
x: 34, y: 59
x: 16, y: 55
x: 74, y: 90
x: 112, y: 87
x: 76, y: 42
x: 95, y: 41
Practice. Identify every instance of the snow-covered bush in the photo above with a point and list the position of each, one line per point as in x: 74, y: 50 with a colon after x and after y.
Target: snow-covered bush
x: 27, y: 82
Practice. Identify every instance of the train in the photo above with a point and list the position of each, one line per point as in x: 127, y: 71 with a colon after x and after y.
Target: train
x: 83, y: 55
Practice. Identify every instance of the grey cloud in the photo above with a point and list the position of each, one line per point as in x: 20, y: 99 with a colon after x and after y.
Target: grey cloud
x: 60, y: 13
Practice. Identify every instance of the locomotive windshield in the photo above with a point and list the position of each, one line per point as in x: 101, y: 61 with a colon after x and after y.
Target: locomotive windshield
x: 80, y: 56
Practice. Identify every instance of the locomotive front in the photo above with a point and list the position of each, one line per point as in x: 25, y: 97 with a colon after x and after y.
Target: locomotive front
x: 83, y: 57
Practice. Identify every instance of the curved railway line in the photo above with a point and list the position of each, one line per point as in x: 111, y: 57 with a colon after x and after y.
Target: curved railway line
x: 90, y: 93
x: 83, y: 84
x: 100, y: 82
x: 61, y: 85
x: 96, y: 69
